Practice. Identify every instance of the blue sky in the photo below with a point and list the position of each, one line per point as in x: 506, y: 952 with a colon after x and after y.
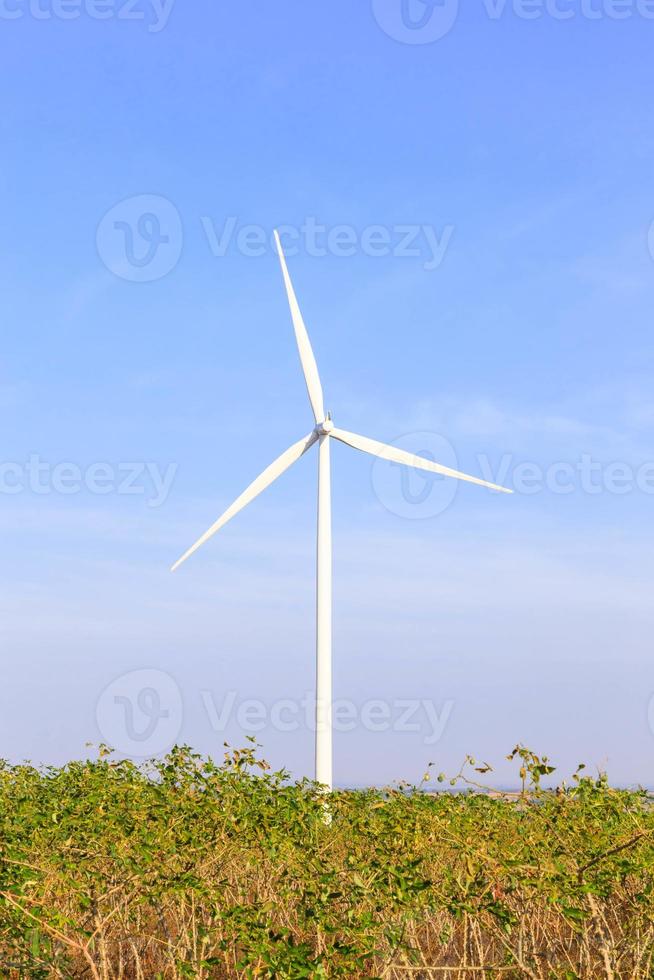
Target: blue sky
x: 148, y: 373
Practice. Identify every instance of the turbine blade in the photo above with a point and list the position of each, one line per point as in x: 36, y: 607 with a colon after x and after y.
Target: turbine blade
x: 263, y: 481
x: 307, y: 359
x: 395, y: 455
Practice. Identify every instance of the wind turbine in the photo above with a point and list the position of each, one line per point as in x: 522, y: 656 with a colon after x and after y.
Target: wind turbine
x: 322, y: 433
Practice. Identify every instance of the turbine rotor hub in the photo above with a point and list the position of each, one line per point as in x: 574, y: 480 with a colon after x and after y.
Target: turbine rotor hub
x: 325, y: 427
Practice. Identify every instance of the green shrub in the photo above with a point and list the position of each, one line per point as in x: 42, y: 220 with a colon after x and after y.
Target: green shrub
x: 186, y: 868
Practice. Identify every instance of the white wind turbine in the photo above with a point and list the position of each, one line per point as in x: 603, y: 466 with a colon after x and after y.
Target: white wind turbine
x: 323, y: 432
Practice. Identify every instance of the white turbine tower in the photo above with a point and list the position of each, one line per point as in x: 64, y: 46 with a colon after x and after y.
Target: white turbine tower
x: 323, y: 432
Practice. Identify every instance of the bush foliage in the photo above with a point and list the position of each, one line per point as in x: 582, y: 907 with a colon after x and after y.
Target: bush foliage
x: 182, y: 867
